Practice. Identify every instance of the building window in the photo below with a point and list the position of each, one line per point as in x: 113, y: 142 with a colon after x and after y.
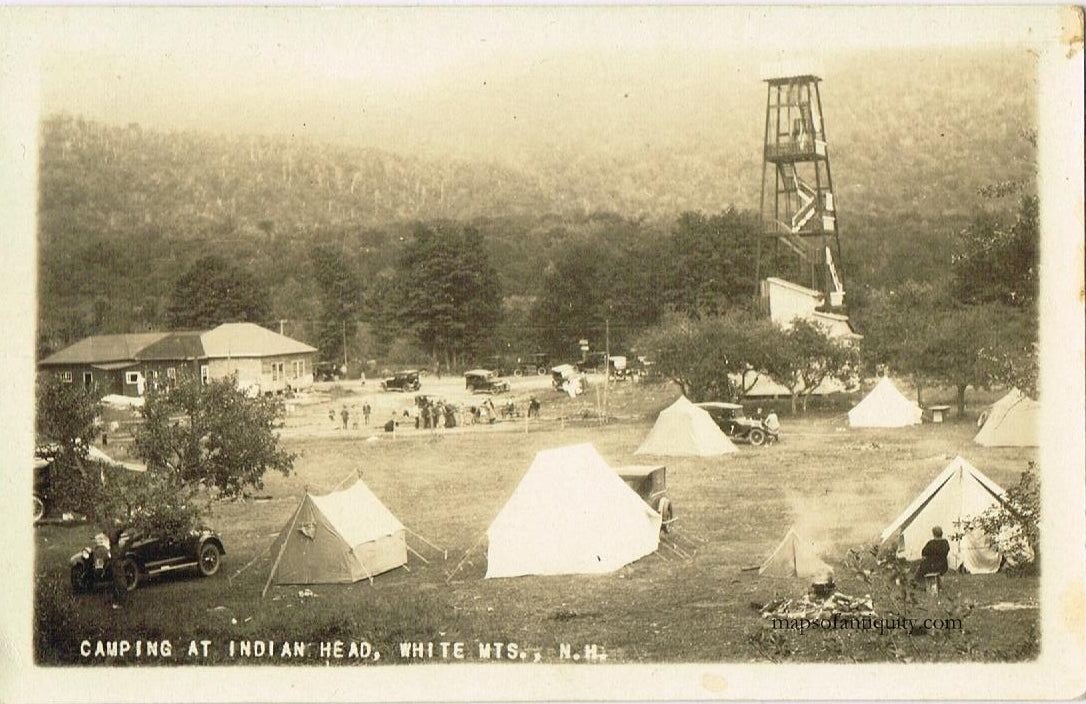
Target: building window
x: 171, y: 373
x: 205, y: 374
x: 66, y: 376
x: 131, y: 377
x: 88, y: 380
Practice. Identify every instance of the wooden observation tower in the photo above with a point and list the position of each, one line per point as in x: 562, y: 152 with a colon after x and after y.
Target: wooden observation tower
x: 799, y: 208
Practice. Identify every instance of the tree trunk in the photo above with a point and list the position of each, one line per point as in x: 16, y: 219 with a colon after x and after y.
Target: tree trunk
x: 919, y: 391
x: 794, y: 397
x: 961, y: 399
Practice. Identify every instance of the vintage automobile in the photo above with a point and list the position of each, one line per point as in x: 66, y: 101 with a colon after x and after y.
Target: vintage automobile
x: 732, y: 419
x: 497, y: 364
x: 484, y: 381
x: 140, y: 557
x: 531, y: 364
x: 407, y: 380
x: 43, y: 486
x: 593, y: 363
x: 327, y: 371
x: 650, y: 483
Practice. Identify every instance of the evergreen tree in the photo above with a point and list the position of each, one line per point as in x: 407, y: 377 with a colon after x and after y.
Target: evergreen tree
x: 214, y: 291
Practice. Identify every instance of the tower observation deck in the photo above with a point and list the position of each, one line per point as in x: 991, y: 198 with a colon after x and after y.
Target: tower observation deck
x: 798, y: 206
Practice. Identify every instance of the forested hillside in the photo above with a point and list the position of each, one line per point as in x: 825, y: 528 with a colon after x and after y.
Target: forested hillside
x: 125, y: 209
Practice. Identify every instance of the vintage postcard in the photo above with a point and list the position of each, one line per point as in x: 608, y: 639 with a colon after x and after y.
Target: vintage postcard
x: 462, y: 353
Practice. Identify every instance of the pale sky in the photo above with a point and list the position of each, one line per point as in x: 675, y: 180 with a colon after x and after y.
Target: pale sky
x: 468, y: 80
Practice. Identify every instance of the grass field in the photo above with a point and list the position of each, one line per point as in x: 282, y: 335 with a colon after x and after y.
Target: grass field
x: 839, y: 486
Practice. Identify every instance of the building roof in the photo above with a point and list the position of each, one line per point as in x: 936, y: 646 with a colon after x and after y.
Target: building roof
x: 249, y: 340
x: 175, y: 346
x: 227, y: 340
x: 99, y: 349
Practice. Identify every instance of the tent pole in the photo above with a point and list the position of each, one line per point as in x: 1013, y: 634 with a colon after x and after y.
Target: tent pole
x: 465, y: 557
x: 344, y: 481
x: 363, y: 566
x: 443, y: 551
x: 283, y: 549
x: 416, y: 554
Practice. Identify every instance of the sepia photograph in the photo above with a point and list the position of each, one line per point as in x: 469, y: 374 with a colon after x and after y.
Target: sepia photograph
x: 461, y: 353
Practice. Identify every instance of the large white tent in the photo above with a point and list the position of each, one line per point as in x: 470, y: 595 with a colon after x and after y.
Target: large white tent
x: 960, y: 491
x: 570, y: 514
x: 683, y: 429
x: 1012, y: 422
x: 884, y: 407
x: 340, y: 537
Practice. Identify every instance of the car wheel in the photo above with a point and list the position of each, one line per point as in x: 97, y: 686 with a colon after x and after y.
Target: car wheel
x: 79, y: 579
x: 541, y: 370
x: 130, y: 572
x: 209, y: 559
x: 39, y: 509
x: 756, y: 437
x: 518, y: 372
x: 667, y: 513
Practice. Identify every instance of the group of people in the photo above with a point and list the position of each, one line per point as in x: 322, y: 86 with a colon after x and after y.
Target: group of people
x: 345, y: 415
x: 434, y: 415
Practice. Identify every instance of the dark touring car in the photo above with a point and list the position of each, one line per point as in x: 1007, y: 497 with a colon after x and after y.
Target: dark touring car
x: 140, y: 557
x: 650, y: 483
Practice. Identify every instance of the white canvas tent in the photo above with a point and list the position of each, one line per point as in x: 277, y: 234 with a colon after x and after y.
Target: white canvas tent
x: 795, y: 557
x: 683, y: 429
x: 340, y: 537
x: 1012, y: 422
x: 570, y: 514
x: 884, y: 407
x: 960, y: 491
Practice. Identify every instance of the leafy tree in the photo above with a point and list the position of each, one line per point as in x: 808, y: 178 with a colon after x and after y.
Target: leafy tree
x: 213, y: 292
x: 382, y: 309
x: 996, y: 262
x: 202, y: 442
x: 897, y: 325
x: 804, y: 355
x: 975, y: 346
x: 610, y: 282
x: 918, y: 331
x: 713, y: 358
x: 341, y: 300
x: 573, y: 303
x: 450, y: 295
x: 711, y: 261
x: 1013, y: 526
x: 65, y: 422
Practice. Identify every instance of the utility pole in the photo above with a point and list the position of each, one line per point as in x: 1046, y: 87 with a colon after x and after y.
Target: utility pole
x: 344, y: 348
x: 607, y: 368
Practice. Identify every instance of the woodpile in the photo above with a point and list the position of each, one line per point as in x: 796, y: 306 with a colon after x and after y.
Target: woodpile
x: 814, y: 608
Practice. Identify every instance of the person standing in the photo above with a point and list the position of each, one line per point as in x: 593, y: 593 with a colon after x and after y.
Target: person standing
x: 345, y: 416
x: 366, y: 410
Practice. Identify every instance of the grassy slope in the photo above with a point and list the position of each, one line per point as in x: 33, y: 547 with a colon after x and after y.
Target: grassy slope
x: 839, y: 486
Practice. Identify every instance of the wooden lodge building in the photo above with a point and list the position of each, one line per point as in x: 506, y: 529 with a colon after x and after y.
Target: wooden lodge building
x: 262, y: 361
